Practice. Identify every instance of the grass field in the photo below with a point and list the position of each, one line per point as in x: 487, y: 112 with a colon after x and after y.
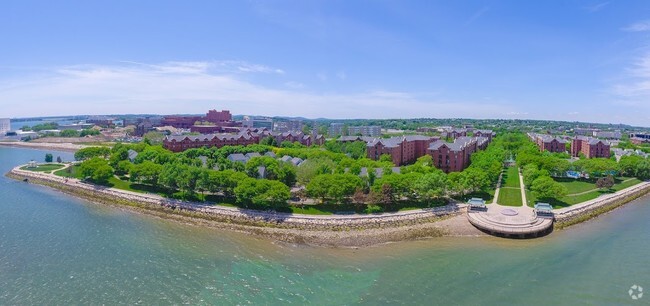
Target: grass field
x: 586, y: 196
x: 509, y: 197
x: 510, y: 178
x: 44, y: 168
x: 67, y: 172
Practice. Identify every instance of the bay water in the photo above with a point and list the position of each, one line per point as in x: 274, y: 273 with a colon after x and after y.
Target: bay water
x: 59, y: 250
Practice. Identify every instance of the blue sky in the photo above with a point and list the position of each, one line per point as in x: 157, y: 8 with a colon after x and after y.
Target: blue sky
x: 564, y: 60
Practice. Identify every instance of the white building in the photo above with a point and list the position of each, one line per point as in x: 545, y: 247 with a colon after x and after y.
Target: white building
x: 5, y: 126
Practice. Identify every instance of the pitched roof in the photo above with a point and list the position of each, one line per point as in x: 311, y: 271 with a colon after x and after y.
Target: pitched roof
x: 237, y: 157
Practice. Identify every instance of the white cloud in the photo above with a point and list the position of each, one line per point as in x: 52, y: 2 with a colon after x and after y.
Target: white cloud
x: 640, y: 26
x: 194, y: 87
x: 596, y: 7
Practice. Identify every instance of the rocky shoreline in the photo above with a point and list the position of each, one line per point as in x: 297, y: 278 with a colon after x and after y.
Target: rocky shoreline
x: 333, y: 231
x: 330, y: 231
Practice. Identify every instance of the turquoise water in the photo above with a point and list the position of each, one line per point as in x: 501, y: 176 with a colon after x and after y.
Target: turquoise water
x: 55, y: 249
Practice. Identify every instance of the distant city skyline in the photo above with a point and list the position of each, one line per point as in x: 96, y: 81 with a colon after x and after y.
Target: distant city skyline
x: 585, y: 61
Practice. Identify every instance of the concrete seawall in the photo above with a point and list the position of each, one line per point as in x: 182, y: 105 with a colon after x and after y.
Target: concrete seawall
x: 236, y: 215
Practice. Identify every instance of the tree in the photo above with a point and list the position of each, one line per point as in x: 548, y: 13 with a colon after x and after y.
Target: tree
x: 334, y: 186
x: 96, y: 169
x: 91, y: 152
x: 59, y: 160
x: 48, y: 158
x: 431, y: 185
x: 269, y: 141
x: 605, y: 182
x: 146, y: 172
x: 545, y: 188
x: 263, y: 193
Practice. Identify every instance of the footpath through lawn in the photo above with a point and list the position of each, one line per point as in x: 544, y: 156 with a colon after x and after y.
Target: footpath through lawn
x: 510, y: 192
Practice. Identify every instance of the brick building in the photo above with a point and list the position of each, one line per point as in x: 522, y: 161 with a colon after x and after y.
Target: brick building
x: 590, y: 147
x: 403, y: 149
x: 454, y: 157
x: 243, y: 138
x: 489, y: 134
x: 549, y: 143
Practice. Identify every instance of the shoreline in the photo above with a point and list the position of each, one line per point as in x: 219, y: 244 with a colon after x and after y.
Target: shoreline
x: 327, y: 231
x: 66, y: 147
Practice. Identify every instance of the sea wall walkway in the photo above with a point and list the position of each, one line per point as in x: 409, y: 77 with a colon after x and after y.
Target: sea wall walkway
x: 245, y: 216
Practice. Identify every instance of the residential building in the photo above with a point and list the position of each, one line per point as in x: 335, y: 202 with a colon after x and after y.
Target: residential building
x: 372, y: 130
x: 185, y: 142
x: 549, y: 143
x: 590, y: 147
x: 402, y: 149
x: 287, y: 125
x: 5, y: 126
x: 489, y: 134
x: 242, y: 138
x: 454, y: 133
x: 454, y: 157
x: 336, y: 129
x: 608, y: 134
x: 584, y: 131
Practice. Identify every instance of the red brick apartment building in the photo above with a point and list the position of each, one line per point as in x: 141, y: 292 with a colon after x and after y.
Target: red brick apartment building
x: 403, y: 149
x: 590, y: 147
x: 549, y: 143
x: 454, y: 157
x: 489, y: 134
x: 243, y: 138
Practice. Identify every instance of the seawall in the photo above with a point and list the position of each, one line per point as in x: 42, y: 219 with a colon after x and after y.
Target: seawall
x: 332, y: 230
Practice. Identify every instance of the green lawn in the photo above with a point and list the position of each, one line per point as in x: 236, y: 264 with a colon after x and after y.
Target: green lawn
x: 572, y: 200
x: 44, y: 167
x: 68, y: 172
x: 510, y: 178
x: 509, y: 197
x: 576, y: 185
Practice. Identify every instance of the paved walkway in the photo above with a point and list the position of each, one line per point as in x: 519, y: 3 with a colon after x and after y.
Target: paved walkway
x: 523, y: 189
x: 496, y: 192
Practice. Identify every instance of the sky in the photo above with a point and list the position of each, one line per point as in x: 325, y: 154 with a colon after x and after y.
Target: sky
x: 559, y: 60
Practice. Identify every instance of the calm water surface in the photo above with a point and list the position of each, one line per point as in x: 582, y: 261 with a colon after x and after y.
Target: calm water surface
x: 55, y: 249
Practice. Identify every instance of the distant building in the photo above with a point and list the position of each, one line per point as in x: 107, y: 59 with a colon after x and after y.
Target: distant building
x: 365, y: 130
x: 608, y: 134
x: 590, y: 147
x: 585, y: 131
x: 5, y: 126
x: 336, y: 129
x: 484, y: 133
x: 76, y: 126
x: 288, y: 125
x: 639, y: 138
x: 454, y: 133
x: 258, y: 122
